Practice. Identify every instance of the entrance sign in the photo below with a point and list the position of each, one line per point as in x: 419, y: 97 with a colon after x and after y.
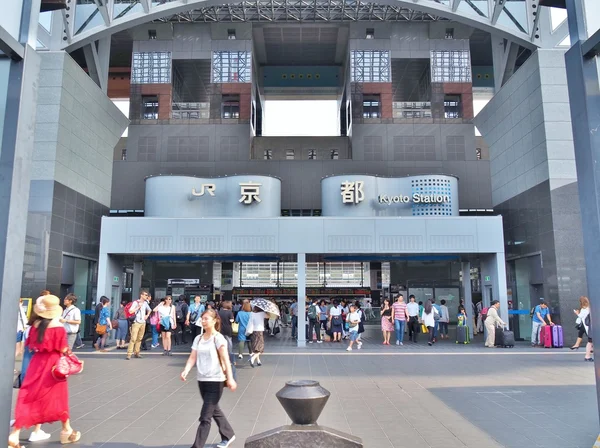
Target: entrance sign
x: 249, y: 192
x: 363, y: 195
x: 352, y: 192
x: 247, y: 196
x: 210, y: 188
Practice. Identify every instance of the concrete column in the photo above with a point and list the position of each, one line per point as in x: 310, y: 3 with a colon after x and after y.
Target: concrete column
x: 301, y: 300
x: 466, y: 286
x: 137, y: 280
x: 494, y: 267
x: 110, y: 273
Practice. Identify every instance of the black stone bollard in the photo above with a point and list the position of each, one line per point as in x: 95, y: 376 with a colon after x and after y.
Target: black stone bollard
x: 303, y: 402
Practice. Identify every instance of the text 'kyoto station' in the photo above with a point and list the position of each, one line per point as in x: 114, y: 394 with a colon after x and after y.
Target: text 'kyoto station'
x: 381, y: 217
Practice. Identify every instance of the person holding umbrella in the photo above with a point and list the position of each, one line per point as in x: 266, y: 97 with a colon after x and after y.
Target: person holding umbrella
x: 256, y: 327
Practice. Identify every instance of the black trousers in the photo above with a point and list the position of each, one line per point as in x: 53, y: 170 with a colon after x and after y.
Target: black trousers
x: 211, y: 392
x: 313, y: 323
x: 413, y: 328
x: 196, y: 330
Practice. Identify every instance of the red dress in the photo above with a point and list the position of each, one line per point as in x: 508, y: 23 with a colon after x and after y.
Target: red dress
x: 42, y: 399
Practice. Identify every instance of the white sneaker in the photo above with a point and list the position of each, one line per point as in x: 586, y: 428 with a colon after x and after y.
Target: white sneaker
x: 319, y: 342
x: 225, y: 443
x: 39, y: 436
x: 310, y: 342
x: 349, y: 349
x: 397, y: 342
x: 401, y: 343
x: 240, y: 356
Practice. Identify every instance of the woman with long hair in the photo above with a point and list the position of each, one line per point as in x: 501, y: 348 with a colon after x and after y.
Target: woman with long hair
x: 428, y: 318
x: 387, y: 327
x: 122, y: 327
x: 242, y: 318
x: 167, y: 322
x: 209, y: 354
x: 43, y: 399
x: 581, y: 313
x: 257, y: 341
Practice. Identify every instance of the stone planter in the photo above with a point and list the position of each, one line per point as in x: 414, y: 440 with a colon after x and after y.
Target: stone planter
x: 303, y: 401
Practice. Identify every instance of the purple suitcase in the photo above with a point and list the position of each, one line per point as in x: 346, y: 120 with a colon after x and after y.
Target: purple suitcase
x: 557, y: 336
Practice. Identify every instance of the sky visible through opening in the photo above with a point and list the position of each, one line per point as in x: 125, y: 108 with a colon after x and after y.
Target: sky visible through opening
x: 301, y: 118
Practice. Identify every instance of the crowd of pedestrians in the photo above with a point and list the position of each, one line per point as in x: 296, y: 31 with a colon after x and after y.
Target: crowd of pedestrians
x: 52, y: 331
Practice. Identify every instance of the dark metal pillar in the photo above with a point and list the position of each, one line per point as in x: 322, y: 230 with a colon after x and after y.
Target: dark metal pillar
x: 584, y: 98
x: 18, y: 94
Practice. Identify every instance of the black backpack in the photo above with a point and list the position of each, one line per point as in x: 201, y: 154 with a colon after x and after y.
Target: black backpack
x: 179, y: 312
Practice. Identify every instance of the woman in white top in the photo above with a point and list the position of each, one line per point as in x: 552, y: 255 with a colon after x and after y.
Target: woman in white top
x: 257, y: 340
x: 428, y: 318
x: 581, y: 313
x: 336, y: 322
x: 353, y: 320
x: 210, y: 355
x: 167, y: 322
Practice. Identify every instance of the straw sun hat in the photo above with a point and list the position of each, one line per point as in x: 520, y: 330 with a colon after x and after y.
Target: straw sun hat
x: 48, y: 307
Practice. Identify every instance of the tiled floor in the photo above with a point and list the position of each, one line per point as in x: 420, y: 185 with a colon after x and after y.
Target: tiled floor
x: 411, y: 396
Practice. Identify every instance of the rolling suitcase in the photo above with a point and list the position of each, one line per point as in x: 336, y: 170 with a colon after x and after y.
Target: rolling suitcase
x: 462, y: 334
x: 546, y: 336
x: 504, y: 338
x: 557, y: 336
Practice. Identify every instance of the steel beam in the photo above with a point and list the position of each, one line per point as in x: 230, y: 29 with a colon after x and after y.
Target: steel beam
x: 498, y: 7
x: 591, y: 47
x: 584, y: 99
x: 10, y: 46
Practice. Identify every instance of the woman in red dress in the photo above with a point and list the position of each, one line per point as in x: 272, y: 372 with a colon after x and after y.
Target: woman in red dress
x: 43, y: 399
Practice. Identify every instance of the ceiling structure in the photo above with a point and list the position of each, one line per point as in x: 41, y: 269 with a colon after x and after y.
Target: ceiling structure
x: 520, y: 21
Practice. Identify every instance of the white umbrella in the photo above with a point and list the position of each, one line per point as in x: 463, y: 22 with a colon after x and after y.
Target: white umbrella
x: 265, y: 305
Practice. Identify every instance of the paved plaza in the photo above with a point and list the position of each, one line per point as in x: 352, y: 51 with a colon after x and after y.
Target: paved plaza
x: 404, y: 397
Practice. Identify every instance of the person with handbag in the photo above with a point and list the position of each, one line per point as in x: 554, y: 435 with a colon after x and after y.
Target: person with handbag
x: 581, y: 313
x: 42, y: 397
x: 242, y: 318
x: 336, y: 322
x: 209, y: 354
x: 104, y: 325
x: 428, y: 318
x: 167, y: 322
x: 256, y: 329
x: 121, y: 324
x: 71, y: 318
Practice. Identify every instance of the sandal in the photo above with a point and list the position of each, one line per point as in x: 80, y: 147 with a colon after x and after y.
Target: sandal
x: 16, y: 444
x: 73, y: 437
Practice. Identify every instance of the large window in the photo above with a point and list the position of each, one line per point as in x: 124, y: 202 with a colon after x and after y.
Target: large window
x: 370, y: 66
x: 452, y: 106
x: 317, y: 274
x: 231, y: 66
x: 231, y: 106
x: 371, y: 106
x: 149, y: 107
x: 450, y: 66
x: 151, y: 68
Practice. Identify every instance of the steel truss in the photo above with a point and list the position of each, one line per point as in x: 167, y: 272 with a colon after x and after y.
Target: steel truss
x: 301, y: 11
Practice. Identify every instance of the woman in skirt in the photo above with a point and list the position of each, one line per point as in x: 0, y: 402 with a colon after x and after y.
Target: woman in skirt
x: 257, y: 341
x: 387, y: 327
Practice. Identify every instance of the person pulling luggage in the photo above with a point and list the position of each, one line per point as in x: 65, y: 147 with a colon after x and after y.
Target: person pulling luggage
x: 539, y: 315
x: 491, y: 322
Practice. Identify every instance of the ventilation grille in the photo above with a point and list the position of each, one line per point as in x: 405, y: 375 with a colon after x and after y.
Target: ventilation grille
x: 455, y: 147
x: 351, y: 243
x: 414, y: 148
x: 451, y: 242
x: 151, y: 244
x: 229, y: 148
x: 147, y: 149
x: 400, y: 243
x: 201, y: 244
x: 249, y: 243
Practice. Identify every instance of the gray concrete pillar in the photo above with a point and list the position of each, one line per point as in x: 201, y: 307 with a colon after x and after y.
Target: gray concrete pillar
x: 466, y: 287
x: 301, y: 300
x: 493, y: 273
x: 137, y: 280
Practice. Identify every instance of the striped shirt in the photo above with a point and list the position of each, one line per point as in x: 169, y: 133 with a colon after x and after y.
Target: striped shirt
x: 399, y: 310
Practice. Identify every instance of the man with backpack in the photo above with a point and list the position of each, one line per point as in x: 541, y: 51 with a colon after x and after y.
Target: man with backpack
x: 313, y: 321
x: 181, y: 312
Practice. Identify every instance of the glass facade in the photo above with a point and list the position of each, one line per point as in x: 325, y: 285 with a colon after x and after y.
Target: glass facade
x: 151, y: 68
x: 231, y: 66
x: 450, y: 66
x: 317, y: 274
x: 370, y: 66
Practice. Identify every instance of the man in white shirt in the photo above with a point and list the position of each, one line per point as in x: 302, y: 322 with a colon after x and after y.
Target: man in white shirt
x: 138, y: 327
x: 412, y: 308
x: 71, y: 319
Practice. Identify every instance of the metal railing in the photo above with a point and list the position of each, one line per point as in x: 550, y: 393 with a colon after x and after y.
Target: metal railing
x: 411, y: 109
x: 190, y: 111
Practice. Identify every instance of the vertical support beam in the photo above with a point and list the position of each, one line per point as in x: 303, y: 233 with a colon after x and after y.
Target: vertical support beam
x: 494, y: 267
x: 498, y: 7
x: 504, y: 56
x: 109, y: 268
x: 97, y: 58
x: 137, y: 280
x: 18, y: 98
x: 466, y: 287
x: 584, y: 95
x: 301, y: 300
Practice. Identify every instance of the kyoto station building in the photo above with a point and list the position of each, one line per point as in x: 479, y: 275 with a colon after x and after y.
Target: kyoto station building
x: 161, y: 157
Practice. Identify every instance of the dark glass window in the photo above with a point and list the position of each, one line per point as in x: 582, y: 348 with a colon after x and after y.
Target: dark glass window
x: 150, y: 107
x: 452, y: 107
x: 231, y: 106
x: 371, y: 106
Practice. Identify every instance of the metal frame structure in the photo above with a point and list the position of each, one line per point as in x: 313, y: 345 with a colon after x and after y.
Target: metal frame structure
x: 582, y: 65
